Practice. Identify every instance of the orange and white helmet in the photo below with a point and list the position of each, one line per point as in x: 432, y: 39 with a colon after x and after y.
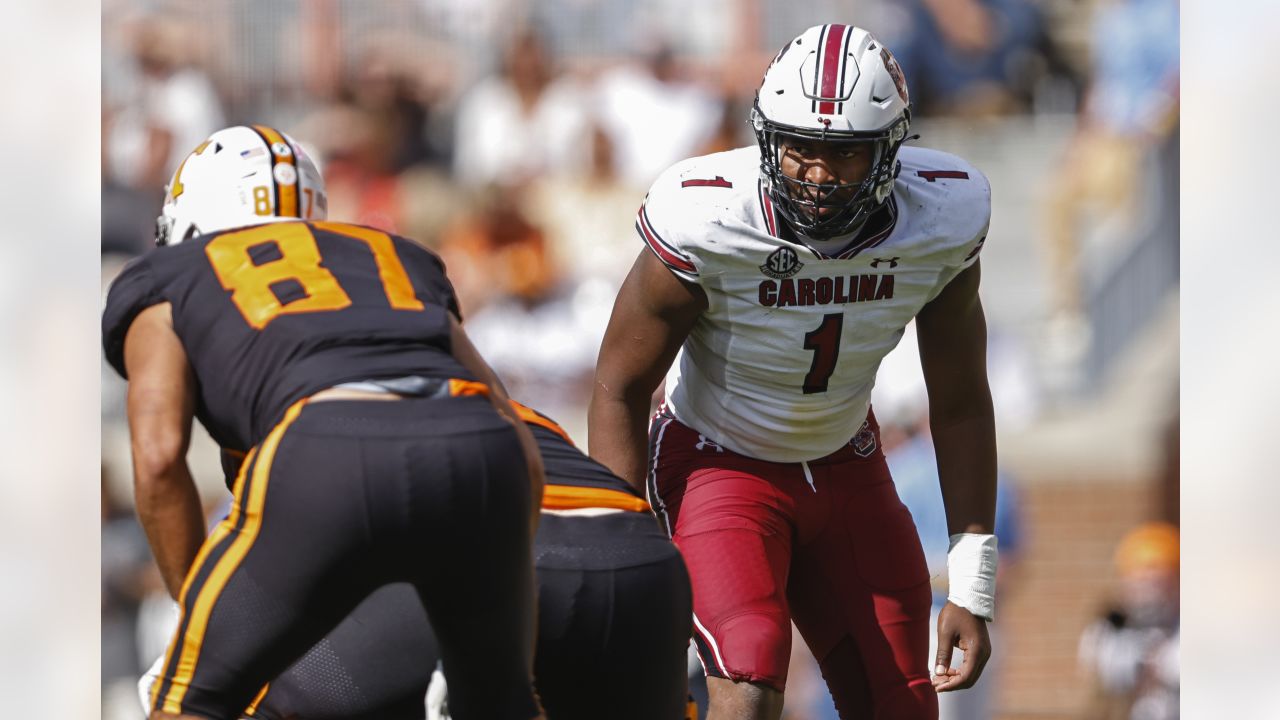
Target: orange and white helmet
x: 833, y: 83
x: 243, y: 175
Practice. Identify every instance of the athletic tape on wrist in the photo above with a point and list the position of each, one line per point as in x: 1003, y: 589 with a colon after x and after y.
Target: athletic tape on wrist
x: 971, y: 573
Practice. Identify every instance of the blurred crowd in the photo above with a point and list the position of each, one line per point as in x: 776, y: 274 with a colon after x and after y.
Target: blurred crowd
x: 517, y: 139
x: 1130, y: 652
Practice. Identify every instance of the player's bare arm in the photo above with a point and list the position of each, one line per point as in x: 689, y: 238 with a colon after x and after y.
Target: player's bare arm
x: 652, y: 316
x: 161, y: 404
x: 470, y: 358
x: 952, y: 334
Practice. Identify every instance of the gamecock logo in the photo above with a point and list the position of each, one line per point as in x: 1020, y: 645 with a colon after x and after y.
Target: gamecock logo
x: 864, y: 443
x: 895, y: 72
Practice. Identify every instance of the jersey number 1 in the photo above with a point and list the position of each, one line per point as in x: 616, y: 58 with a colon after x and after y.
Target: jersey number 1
x: 299, y: 261
x: 825, y: 344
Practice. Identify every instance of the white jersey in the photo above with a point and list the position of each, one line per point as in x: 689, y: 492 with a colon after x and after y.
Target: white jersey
x: 781, y: 364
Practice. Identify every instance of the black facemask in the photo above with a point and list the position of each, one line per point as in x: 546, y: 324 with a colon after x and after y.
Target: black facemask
x: 800, y: 202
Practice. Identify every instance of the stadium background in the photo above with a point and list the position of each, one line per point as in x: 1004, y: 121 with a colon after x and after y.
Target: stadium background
x: 410, y: 108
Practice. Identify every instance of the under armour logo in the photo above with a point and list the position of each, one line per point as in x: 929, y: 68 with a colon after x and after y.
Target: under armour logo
x: 893, y: 261
x: 704, y: 443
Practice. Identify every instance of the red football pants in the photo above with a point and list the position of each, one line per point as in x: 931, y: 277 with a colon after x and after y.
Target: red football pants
x: 826, y: 543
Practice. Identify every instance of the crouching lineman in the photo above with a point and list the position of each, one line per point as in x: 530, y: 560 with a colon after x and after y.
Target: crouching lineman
x: 380, y: 448
x: 614, y: 616
x: 776, y: 277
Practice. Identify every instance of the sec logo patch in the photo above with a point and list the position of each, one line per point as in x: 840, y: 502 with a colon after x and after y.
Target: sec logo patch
x: 781, y: 263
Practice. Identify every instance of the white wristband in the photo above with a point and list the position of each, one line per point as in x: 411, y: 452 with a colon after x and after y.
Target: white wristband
x: 971, y: 572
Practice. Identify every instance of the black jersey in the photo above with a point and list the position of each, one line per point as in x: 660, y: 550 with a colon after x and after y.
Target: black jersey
x: 574, y: 480
x: 272, y: 313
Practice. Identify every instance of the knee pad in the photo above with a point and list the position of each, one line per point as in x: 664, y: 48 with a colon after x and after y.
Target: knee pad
x: 752, y: 647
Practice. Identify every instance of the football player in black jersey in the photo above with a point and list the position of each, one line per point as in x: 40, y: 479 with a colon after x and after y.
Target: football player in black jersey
x: 378, y: 445
x: 614, y: 616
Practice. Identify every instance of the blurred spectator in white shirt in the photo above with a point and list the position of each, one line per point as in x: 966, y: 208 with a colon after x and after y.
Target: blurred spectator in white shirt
x: 590, y: 220
x: 171, y: 107
x: 153, y: 118
x: 522, y: 123
x: 653, y: 117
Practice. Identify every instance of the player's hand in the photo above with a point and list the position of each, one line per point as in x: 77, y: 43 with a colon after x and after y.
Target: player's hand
x: 959, y: 628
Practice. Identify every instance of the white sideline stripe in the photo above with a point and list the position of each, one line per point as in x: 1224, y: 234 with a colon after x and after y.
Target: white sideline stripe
x: 655, y: 500
x: 712, y: 642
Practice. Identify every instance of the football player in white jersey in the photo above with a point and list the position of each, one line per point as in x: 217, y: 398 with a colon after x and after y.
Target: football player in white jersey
x: 774, y: 281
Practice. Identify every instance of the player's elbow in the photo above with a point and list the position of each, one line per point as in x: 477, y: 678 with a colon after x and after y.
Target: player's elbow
x: 157, y: 458
x: 620, y: 394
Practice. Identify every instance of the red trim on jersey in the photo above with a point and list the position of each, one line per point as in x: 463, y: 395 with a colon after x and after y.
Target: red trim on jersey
x: 933, y: 175
x: 661, y: 249
x: 717, y: 181
x: 831, y: 66
x: 976, y: 249
x: 766, y: 210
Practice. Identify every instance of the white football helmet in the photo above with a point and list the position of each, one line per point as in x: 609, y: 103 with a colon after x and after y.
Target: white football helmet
x: 243, y: 175
x: 832, y: 83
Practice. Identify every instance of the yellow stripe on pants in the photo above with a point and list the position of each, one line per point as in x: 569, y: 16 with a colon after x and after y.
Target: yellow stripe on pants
x: 217, y: 580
